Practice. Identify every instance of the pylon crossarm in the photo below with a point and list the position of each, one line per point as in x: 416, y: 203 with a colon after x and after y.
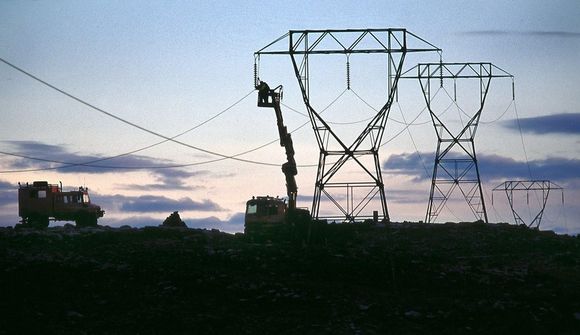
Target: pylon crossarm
x: 382, y: 40
x: 446, y: 70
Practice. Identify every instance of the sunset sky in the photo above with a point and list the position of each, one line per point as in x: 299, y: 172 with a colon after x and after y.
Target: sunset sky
x: 155, y: 69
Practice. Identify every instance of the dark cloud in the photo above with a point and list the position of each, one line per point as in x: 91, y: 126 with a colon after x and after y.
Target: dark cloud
x: 568, y: 123
x: 59, y: 158
x: 177, y: 185
x: 153, y: 204
x: 540, y: 33
x: 168, y: 179
x: 492, y: 167
x: 8, y: 194
x: 410, y: 164
x: 306, y: 199
x: 33, y: 154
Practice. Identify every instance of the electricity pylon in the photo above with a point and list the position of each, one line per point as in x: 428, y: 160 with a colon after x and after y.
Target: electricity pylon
x: 455, y: 158
x: 544, y: 186
x: 363, y: 153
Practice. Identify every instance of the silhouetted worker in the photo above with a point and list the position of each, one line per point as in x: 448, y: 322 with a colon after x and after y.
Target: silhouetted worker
x: 263, y: 92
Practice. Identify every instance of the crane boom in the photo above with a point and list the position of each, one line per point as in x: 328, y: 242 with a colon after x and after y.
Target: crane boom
x: 269, y: 216
x: 271, y: 98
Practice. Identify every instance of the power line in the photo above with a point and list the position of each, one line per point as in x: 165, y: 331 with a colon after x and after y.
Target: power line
x: 414, y: 143
x: 132, y: 124
x: 166, y: 139
x: 413, y: 122
x: 419, y: 153
x: 523, y: 143
x: 389, y: 117
x: 502, y: 114
x: 90, y: 163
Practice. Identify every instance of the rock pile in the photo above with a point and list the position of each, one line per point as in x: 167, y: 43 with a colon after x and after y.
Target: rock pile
x: 174, y: 220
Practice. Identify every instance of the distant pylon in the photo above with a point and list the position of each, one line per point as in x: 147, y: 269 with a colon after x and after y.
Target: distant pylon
x: 455, y: 158
x: 528, y: 185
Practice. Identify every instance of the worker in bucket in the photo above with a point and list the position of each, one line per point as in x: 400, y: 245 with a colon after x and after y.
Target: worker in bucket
x: 263, y: 92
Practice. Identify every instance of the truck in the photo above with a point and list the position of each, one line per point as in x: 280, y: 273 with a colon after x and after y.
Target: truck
x: 40, y: 202
x: 265, y: 214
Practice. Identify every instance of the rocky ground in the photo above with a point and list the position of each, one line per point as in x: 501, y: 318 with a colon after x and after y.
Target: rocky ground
x: 363, y: 279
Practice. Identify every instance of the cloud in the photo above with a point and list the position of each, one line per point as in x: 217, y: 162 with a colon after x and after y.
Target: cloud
x: 539, y: 33
x: 33, y: 155
x: 406, y: 196
x: 153, y: 204
x: 567, y: 123
x: 8, y: 193
x: 168, y: 179
x: 410, y: 164
x: 232, y: 224
x: 492, y: 167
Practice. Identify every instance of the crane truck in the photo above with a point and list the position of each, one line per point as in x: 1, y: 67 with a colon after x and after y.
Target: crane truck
x: 266, y: 214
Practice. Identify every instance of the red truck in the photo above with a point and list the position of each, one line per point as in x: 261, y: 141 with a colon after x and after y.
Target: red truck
x: 40, y: 202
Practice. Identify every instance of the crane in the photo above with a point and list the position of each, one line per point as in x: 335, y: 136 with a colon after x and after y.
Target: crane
x: 266, y: 211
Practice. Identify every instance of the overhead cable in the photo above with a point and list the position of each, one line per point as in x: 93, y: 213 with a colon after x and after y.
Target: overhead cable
x: 166, y: 139
x: 132, y: 124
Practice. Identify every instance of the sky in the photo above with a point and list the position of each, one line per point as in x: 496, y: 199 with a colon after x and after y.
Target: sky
x: 116, y: 79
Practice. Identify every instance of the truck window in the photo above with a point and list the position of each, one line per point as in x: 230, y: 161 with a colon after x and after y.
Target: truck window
x: 252, y: 209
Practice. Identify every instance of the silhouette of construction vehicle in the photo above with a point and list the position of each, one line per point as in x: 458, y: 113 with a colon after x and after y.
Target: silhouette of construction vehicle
x: 265, y: 212
x: 41, y: 202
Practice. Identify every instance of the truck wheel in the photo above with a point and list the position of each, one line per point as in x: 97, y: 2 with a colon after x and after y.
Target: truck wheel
x: 43, y: 222
x: 86, y: 220
x: 36, y: 221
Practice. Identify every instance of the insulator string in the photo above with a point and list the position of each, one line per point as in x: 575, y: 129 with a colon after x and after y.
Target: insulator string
x: 348, y: 72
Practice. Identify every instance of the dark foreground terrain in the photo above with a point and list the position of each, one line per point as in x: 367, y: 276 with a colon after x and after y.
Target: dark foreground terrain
x: 401, y: 279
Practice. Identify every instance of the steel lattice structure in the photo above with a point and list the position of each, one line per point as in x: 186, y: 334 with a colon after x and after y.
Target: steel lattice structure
x: 455, y: 159
x: 528, y: 185
x: 334, y: 152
